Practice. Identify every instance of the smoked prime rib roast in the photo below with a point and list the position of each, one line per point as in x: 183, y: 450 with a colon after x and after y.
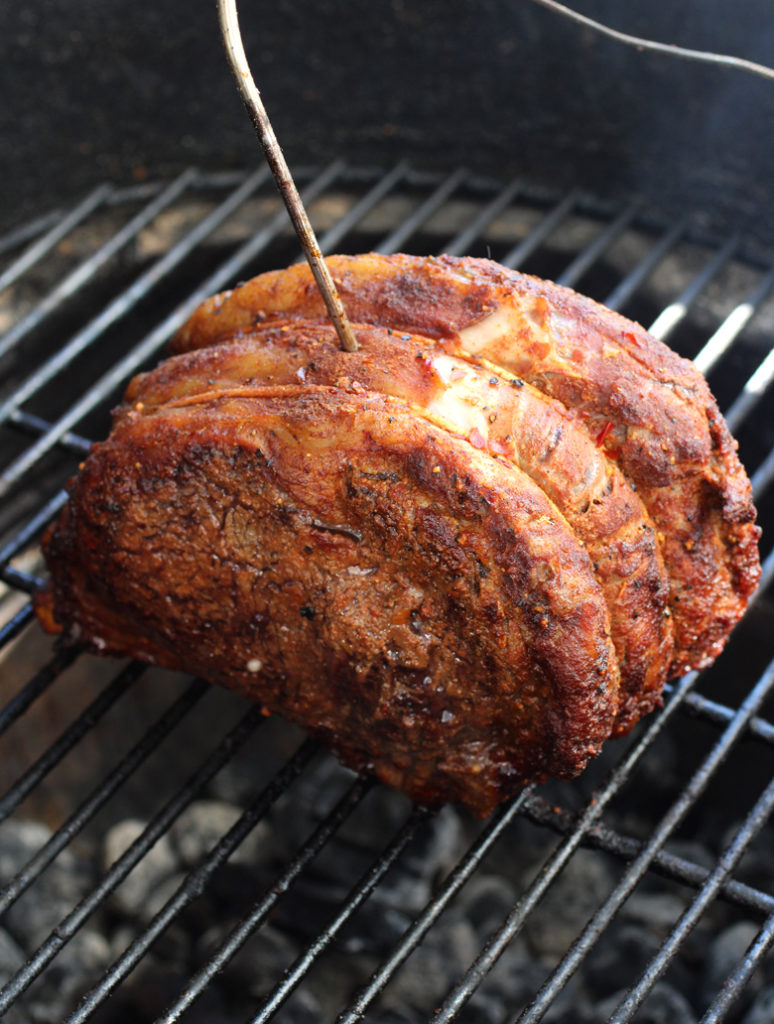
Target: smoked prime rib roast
x: 462, y: 556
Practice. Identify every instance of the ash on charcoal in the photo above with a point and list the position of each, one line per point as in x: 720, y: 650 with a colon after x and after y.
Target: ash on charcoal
x: 725, y: 952
x: 397, y: 1016
x: 204, y: 823
x: 12, y: 956
x: 19, y: 841
x: 381, y: 814
x: 309, y: 906
x: 303, y: 1008
x: 520, y: 851
x: 576, y: 894
x: 755, y: 866
x: 153, y: 986
x: 317, y: 896
x: 258, y: 966
x: 14, y: 1015
x: 512, y: 985
x: 80, y: 962
x: 429, y: 857
x: 664, y: 1005
x: 39, y: 910
x: 376, y: 928
x: 443, y: 956
x: 405, y: 891
x: 486, y: 901
x: 621, y: 955
x: 656, y: 912
x: 159, y: 896
x: 438, y: 845
x: 132, y: 896
x: 292, y: 819
x: 762, y: 1009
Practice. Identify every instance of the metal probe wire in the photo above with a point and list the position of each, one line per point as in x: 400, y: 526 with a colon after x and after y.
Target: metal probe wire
x: 251, y: 97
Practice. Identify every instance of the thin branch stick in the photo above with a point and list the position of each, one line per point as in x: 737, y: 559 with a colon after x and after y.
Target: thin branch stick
x: 251, y: 98
x: 668, y: 48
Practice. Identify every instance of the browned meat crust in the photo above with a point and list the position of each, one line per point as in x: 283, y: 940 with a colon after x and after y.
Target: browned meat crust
x: 649, y: 410
x: 497, y: 414
x: 419, y: 605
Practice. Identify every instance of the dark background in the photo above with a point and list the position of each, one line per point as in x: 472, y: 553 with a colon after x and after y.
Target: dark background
x: 119, y: 90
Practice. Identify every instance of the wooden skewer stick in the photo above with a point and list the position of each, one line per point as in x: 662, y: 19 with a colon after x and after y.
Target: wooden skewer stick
x: 251, y: 97
x: 704, y: 56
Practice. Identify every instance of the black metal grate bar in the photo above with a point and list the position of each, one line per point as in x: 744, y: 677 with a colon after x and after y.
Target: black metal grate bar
x: 126, y: 301
x: 356, y: 898
x: 39, y: 683
x: 86, y: 270
x: 20, y: 580
x: 624, y: 291
x: 676, y: 311
x: 74, y: 443
x: 422, y: 924
x: 462, y: 241
x: 719, y: 714
x: 102, y: 793
x: 551, y: 868
x: 545, y: 227
x: 733, y: 325
x: 761, y: 478
x: 360, y: 209
x: 499, y: 941
x: 196, y: 882
x: 735, y: 982
x: 638, y: 868
x: 72, y: 735
x: 752, y: 393
x: 726, y: 864
x: 158, y: 825
x: 26, y: 232
x: 153, y: 341
x: 589, y: 256
x: 14, y: 626
x: 395, y: 239
x: 55, y: 235
x: 263, y: 907
x: 32, y: 528
x: 586, y: 827
x: 668, y: 865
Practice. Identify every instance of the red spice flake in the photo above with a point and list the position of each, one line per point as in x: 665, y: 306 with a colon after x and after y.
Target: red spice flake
x: 604, y: 433
x: 476, y: 438
x: 630, y: 336
x: 613, y: 453
x: 501, y: 446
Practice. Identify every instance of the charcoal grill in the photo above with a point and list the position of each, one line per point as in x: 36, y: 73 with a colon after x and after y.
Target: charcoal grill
x: 91, y: 295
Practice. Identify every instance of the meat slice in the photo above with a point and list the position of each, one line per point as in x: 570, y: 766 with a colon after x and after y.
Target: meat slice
x: 419, y: 605
x: 644, y: 406
x: 501, y: 415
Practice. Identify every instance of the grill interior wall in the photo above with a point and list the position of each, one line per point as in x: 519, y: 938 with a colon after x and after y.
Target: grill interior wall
x: 204, y: 233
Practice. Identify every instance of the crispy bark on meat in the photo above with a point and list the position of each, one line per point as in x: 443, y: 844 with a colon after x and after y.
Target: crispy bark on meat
x: 644, y: 406
x: 418, y: 605
x: 500, y: 415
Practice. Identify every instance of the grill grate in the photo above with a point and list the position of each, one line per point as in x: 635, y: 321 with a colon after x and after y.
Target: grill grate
x: 130, y: 264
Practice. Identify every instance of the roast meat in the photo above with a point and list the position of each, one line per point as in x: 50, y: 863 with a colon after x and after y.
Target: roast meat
x: 462, y: 556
